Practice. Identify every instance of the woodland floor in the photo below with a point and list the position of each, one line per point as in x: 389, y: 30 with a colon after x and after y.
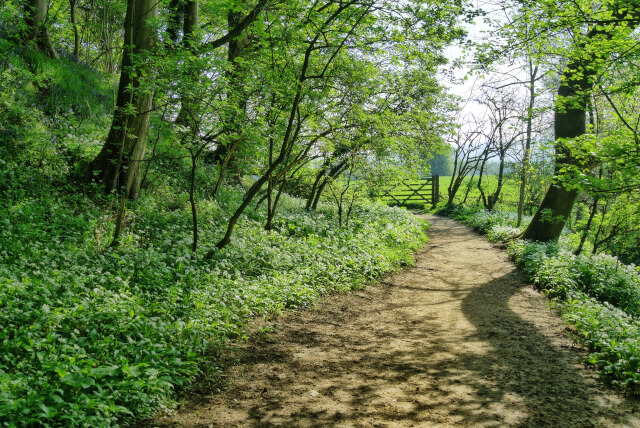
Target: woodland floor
x: 460, y: 340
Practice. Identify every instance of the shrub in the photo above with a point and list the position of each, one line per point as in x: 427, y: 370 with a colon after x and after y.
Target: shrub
x: 612, y: 336
x: 561, y: 274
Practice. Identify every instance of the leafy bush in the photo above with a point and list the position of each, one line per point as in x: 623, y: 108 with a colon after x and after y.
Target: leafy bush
x: 612, y: 335
x: 499, y: 233
x: 497, y: 225
x: 562, y: 275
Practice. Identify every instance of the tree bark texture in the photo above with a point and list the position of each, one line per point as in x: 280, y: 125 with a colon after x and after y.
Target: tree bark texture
x: 569, y: 122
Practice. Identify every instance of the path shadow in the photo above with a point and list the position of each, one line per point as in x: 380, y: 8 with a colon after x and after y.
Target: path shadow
x: 521, y: 380
x: 339, y: 366
x: 545, y: 378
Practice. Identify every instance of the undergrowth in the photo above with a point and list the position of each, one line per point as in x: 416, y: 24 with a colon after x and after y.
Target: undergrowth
x: 596, y: 293
x: 92, y: 335
x: 95, y: 336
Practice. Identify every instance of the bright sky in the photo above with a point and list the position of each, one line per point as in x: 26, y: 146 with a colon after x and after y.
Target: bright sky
x: 466, y: 84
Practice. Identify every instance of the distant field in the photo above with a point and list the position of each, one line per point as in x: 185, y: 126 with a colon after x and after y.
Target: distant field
x: 508, y: 200
x: 410, y: 193
x: 508, y: 196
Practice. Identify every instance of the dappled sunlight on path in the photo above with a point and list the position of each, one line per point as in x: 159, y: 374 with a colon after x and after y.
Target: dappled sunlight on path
x: 457, y: 340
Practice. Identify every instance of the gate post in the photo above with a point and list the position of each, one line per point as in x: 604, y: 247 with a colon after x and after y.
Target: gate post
x: 435, y: 189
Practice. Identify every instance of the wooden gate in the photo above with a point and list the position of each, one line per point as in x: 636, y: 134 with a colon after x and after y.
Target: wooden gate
x: 413, y: 192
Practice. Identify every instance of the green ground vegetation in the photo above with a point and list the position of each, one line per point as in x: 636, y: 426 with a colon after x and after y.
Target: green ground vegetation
x: 92, y: 335
x: 470, y: 194
x: 152, y: 155
x: 98, y: 335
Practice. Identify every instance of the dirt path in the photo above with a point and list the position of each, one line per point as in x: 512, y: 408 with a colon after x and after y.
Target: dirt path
x: 457, y: 341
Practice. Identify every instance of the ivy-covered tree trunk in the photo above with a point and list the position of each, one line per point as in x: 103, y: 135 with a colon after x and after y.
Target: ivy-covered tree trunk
x: 119, y: 163
x: 35, y: 14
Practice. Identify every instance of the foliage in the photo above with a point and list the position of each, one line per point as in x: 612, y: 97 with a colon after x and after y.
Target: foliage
x: 562, y: 274
x: 508, y: 201
x: 52, y: 113
x: 612, y: 336
x: 497, y: 225
x: 95, y: 336
x: 597, y: 43
x: 614, y: 226
x: 441, y: 163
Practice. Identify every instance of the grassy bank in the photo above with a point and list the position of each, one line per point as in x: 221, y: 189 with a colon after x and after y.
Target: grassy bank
x: 469, y: 194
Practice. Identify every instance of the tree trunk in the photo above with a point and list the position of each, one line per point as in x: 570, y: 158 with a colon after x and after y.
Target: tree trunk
x: 596, y: 238
x: 174, y: 19
x: 191, y: 20
x: 587, y: 228
x: 333, y: 173
x: 570, y: 122
x: 316, y: 199
x: 452, y: 189
x: 327, y: 172
x: 119, y: 163
x: 314, y: 187
x: 76, y: 33
x: 493, y: 198
x: 35, y: 14
x: 483, y: 197
x: 526, y: 159
x: 466, y: 195
x: 236, y: 95
x: 272, y: 204
x: 189, y: 105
